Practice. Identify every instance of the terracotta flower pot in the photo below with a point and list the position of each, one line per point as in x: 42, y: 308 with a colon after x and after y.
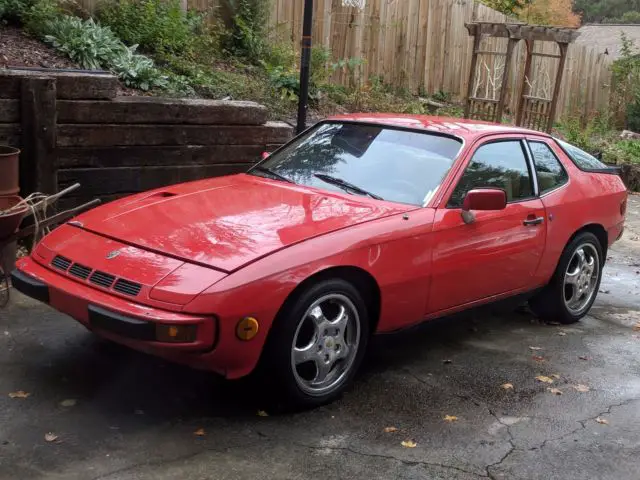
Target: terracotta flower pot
x: 9, y: 181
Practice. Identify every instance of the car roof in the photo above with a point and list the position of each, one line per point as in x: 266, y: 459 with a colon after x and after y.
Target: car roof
x: 462, y: 128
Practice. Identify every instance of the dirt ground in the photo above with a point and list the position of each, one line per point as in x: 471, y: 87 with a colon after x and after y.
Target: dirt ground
x: 116, y: 414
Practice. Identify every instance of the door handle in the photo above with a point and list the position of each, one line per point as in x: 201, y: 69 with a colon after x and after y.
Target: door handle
x: 533, y: 221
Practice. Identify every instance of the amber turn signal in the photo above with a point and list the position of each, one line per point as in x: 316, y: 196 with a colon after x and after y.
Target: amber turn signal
x: 176, y: 333
x: 247, y: 328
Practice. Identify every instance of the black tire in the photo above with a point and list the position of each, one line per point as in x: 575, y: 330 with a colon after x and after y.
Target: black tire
x: 549, y: 304
x: 275, y: 374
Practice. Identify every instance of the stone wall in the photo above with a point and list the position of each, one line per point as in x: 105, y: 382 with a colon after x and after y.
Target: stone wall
x: 73, y: 127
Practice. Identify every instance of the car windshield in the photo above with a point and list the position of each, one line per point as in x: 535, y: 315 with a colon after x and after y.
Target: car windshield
x: 370, y: 160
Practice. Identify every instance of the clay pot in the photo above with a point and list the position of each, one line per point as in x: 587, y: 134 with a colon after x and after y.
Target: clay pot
x: 10, y: 223
x: 9, y: 181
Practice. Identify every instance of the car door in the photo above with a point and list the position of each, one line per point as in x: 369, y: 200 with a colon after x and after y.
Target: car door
x: 500, y: 251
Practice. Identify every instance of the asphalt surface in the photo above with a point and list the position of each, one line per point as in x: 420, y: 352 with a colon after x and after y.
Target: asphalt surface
x: 122, y: 415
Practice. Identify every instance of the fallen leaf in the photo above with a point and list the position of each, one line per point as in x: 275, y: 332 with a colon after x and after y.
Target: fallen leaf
x: 200, y: 432
x: 543, y: 379
x: 19, y: 394
x: 262, y: 413
x: 507, y: 386
x: 602, y: 421
x: 583, y: 357
x: 70, y: 402
x: 447, y: 361
x: 390, y: 429
x: 50, y: 437
x: 636, y: 327
x: 555, y: 391
x: 606, y: 292
x: 409, y: 444
x: 581, y: 388
x: 535, y: 348
x: 450, y: 418
x: 555, y: 375
x: 562, y: 334
x: 538, y: 358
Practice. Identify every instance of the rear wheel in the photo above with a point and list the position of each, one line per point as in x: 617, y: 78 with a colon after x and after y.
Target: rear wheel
x: 575, y: 283
x: 316, y: 344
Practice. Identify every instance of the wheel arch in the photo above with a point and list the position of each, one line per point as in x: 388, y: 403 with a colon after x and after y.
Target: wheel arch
x: 362, y: 280
x: 601, y: 234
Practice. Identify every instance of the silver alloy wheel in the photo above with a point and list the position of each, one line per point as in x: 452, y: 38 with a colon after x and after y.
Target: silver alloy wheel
x: 325, y: 344
x: 581, y: 278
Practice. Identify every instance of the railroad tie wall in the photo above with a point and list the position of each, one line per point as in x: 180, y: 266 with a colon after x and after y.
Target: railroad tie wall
x: 74, y: 127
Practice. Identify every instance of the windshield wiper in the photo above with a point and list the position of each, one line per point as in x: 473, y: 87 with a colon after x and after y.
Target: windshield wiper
x: 273, y: 174
x: 345, y: 185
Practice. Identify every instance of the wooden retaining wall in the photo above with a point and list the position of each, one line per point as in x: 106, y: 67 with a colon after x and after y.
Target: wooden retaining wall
x: 72, y: 127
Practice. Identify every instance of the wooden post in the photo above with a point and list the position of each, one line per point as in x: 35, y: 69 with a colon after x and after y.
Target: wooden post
x: 505, y: 79
x: 472, y: 74
x: 556, y: 90
x: 38, y: 169
x: 523, y: 84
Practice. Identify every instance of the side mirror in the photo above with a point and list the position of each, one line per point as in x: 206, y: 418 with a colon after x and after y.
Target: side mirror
x: 482, y: 199
x: 265, y: 155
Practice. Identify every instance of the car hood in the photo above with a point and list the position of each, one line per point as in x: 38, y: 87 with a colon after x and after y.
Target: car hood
x: 229, y: 222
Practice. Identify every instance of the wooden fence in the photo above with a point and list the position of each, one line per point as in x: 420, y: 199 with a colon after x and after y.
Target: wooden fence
x: 423, y: 45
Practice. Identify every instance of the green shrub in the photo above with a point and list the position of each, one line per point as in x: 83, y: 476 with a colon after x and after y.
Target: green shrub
x: 95, y: 47
x: 84, y: 41
x: 633, y: 113
x: 12, y: 11
x: 157, y: 26
x: 39, y: 13
x: 625, y: 151
x: 247, y: 33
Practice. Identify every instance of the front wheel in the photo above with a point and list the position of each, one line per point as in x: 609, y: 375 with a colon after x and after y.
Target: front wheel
x: 316, y: 344
x: 575, y: 283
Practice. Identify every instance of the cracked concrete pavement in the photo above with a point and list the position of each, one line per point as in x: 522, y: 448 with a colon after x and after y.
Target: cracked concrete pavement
x: 135, y: 416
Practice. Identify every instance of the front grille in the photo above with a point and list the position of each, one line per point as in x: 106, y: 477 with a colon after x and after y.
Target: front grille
x: 103, y: 279
x: 61, y: 263
x: 80, y: 271
x: 127, y: 288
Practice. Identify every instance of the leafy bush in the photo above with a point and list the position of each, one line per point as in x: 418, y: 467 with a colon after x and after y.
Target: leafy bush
x: 84, y: 42
x: 157, y: 26
x: 633, y: 113
x: 247, y: 33
x: 12, y: 11
x: 625, y: 92
x: 625, y: 151
x: 95, y: 47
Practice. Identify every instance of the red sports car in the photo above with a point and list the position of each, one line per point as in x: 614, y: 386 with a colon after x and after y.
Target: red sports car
x: 363, y: 224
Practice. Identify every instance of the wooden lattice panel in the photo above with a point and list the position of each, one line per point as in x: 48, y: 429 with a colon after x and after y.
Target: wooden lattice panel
x: 483, y: 109
x: 536, y: 112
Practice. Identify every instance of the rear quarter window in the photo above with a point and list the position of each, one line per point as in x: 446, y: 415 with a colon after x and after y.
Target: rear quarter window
x: 582, y: 159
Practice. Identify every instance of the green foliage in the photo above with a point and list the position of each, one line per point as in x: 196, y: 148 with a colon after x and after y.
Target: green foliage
x: 598, y: 136
x: 632, y: 17
x: 95, y: 47
x: 12, y: 11
x: 158, y: 26
x: 625, y: 151
x: 625, y: 98
x: 595, y: 11
x: 247, y: 33
x: 508, y: 7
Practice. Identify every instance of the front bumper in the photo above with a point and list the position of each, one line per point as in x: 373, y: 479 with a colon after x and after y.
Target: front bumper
x: 125, y: 322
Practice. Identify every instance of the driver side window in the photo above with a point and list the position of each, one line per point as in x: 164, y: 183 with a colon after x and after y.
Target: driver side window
x: 496, y: 165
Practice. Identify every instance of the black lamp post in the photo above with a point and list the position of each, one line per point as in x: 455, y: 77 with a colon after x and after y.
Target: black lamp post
x: 305, y: 60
